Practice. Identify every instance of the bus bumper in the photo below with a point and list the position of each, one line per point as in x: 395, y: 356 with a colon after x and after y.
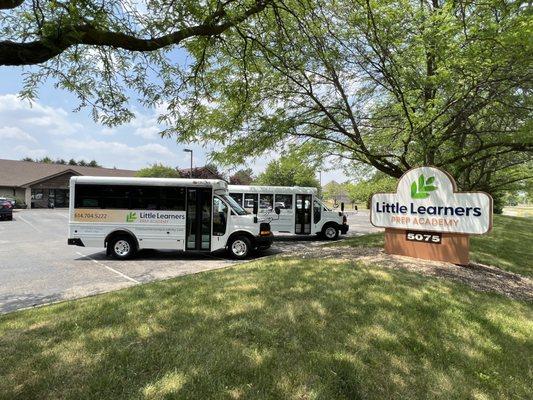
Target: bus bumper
x: 264, y: 241
x: 344, y: 229
x: 75, y: 242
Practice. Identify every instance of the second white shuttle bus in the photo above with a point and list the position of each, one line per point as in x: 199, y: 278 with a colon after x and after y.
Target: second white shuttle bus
x: 124, y: 215
x: 300, y: 211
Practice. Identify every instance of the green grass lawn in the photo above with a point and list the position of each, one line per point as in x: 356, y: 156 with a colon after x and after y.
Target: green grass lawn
x: 274, y: 329
x: 508, y: 246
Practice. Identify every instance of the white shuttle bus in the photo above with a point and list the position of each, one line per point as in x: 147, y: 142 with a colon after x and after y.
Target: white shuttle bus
x: 300, y: 211
x: 124, y: 215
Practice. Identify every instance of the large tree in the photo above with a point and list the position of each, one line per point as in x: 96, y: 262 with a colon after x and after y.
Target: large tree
x: 392, y: 84
x: 288, y: 170
x: 102, y: 49
x: 158, y: 171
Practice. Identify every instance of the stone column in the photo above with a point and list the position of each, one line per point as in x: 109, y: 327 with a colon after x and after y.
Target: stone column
x: 27, y: 197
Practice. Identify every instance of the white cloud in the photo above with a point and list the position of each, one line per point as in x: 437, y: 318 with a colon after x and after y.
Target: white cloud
x: 109, y: 153
x: 108, y: 132
x: 15, y: 133
x: 36, y: 117
x: 21, y: 151
x: 147, y: 132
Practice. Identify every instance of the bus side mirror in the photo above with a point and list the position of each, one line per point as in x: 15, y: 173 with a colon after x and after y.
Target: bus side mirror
x: 355, y: 207
x: 277, y: 210
x: 256, y: 208
x: 342, y: 207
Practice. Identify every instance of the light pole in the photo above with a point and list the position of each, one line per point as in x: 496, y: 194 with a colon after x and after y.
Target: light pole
x: 320, y: 182
x: 189, y: 151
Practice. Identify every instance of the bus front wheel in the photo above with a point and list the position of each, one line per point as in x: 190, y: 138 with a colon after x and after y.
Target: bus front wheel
x: 121, y: 247
x: 330, y: 233
x: 239, y: 247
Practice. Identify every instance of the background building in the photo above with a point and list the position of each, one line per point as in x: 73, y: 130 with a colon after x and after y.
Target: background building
x: 40, y: 185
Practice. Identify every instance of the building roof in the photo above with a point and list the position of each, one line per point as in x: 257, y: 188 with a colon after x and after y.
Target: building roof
x: 14, y: 173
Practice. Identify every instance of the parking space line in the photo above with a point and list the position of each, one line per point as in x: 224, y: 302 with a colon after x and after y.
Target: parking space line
x: 109, y: 268
x: 29, y: 223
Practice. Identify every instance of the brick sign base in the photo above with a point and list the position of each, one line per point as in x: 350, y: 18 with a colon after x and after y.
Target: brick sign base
x: 454, y: 247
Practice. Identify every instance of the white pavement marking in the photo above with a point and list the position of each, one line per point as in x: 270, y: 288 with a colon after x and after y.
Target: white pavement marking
x: 29, y: 223
x: 109, y: 268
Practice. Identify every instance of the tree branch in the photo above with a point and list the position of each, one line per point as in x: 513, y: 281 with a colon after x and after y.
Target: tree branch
x: 9, y: 4
x: 38, y: 51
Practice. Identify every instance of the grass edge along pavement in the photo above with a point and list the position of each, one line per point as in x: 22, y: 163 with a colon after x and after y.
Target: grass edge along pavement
x: 274, y: 328
x: 507, y: 246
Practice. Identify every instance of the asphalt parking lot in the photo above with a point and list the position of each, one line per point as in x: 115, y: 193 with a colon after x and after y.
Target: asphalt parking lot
x: 38, y: 267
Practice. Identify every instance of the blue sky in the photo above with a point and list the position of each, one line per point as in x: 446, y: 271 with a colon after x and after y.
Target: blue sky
x: 49, y: 127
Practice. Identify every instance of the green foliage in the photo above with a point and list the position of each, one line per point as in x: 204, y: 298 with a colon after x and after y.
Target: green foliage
x: 288, y: 171
x: 158, y: 171
x: 362, y: 192
x: 60, y: 161
x: 334, y: 190
x: 107, y: 52
x: 242, y: 177
x: 390, y: 84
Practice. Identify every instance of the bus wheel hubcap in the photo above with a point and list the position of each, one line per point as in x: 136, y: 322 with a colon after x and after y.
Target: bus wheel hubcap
x: 239, y: 248
x: 330, y: 232
x: 122, y: 247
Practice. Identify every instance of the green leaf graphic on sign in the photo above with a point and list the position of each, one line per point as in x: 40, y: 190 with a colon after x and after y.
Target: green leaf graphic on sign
x: 423, y: 188
x: 131, y: 217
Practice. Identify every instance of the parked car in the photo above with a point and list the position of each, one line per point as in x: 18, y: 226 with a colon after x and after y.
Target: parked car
x: 6, y: 210
x: 12, y: 201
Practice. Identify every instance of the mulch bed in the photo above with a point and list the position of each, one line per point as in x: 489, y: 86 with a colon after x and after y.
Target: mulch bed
x: 484, y: 278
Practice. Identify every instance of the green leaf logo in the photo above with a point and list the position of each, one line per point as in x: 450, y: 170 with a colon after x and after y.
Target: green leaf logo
x: 421, y: 189
x: 131, y: 217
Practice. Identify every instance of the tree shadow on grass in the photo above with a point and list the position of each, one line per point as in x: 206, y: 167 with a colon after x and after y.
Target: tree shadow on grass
x: 277, y: 329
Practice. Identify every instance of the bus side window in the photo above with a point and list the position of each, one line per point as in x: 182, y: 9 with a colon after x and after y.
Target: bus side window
x: 220, y: 217
x: 237, y: 197
x: 249, y: 200
x: 317, y: 208
x: 283, y: 201
x: 172, y: 198
x: 87, y: 196
x: 266, y: 202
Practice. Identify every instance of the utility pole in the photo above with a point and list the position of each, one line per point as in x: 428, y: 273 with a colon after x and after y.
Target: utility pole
x: 189, y: 151
x: 320, y: 181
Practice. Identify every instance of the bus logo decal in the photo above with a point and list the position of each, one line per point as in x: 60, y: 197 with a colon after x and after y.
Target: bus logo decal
x: 131, y: 216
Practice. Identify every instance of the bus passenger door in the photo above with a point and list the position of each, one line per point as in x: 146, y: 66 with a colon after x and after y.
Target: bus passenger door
x: 303, y: 214
x: 220, y: 224
x: 198, y: 234
x: 317, y: 215
x: 284, y: 222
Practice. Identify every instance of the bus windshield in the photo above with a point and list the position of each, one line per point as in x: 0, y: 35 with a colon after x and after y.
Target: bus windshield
x: 236, y: 207
x: 323, y: 205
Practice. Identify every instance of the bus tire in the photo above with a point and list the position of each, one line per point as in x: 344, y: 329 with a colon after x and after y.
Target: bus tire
x: 330, y: 232
x: 239, y: 247
x: 121, y: 247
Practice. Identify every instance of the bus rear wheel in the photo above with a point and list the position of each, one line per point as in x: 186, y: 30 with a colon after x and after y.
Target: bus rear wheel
x: 121, y: 247
x: 239, y: 247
